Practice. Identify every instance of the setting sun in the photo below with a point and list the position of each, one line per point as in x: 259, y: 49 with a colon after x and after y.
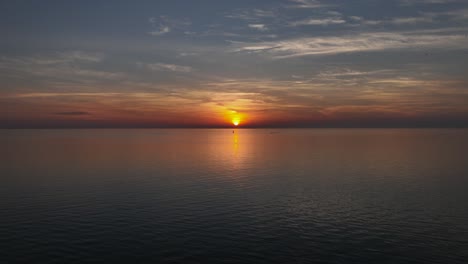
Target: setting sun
x: 234, y: 117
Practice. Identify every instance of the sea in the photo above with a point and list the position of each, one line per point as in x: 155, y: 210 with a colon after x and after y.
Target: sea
x: 234, y: 196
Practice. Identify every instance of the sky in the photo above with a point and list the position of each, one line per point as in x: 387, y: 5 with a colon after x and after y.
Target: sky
x: 207, y: 63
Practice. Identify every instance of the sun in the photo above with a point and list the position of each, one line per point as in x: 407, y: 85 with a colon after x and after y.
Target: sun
x: 235, y: 118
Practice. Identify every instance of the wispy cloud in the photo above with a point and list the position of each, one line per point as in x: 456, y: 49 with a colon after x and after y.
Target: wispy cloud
x: 415, y: 2
x: 166, y: 67
x: 327, y: 18
x: 251, y: 14
x: 353, y: 73
x: 260, y: 27
x: 53, y: 59
x: 81, y: 56
x: 358, y: 21
x: 306, y: 4
x: 398, y: 21
x: 161, y: 31
x: 160, y: 26
x: 317, y: 22
x: 72, y: 65
x: 455, y: 15
x: 412, y: 20
x: 354, y: 43
x: 163, y: 25
x: 73, y: 113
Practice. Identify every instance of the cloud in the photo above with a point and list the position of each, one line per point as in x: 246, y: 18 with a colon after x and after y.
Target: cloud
x: 160, y: 26
x: 167, y: 67
x: 317, y: 22
x: 95, y: 74
x: 251, y: 14
x: 398, y: 21
x: 372, y: 22
x: 217, y: 32
x: 356, y: 18
x: 424, y: 17
x: 457, y: 15
x: 332, y: 18
x: 306, y: 4
x: 353, y: 73
x: 415, y: 2
x: 58, y: 94
x: 73, y: 113
x: 164, y: 25
x: 412, y: 20
x: 161, y: 31
x: 53, y: 59
x: 354, y: 43
x: 185, y: 54
x: 81, y: 56
x: 258, y: 48
x: 376, y: 88
x: 260, y: 27
x: 72, y: 65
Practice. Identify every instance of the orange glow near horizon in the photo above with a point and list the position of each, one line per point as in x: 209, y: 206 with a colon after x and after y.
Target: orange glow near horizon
x: 234, y: 117
x: 44, y: 110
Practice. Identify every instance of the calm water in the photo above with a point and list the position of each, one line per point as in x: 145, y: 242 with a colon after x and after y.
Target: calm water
x: 258, y: 196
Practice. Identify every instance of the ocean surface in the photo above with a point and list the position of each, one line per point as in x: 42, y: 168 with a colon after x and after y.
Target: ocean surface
x: 253, y: 196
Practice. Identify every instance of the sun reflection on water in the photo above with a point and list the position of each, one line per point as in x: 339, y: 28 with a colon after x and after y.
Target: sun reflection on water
x: 235, y: 142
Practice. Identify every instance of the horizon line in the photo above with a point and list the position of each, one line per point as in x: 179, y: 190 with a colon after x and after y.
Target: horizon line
x: 225, y: 127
